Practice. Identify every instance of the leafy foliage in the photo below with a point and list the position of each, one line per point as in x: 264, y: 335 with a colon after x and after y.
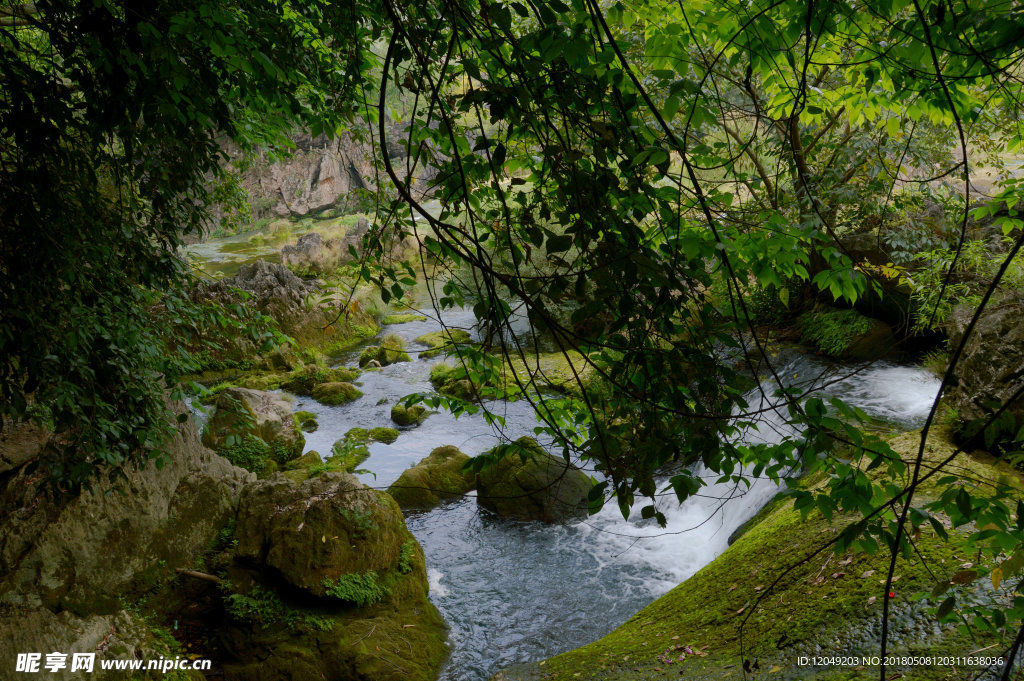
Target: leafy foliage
x: 362, y: 589
x: 835, y: 331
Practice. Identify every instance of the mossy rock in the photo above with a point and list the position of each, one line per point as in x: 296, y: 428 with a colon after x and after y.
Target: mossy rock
x: 333, y: 394
x: 304, y: 380
x: 331, y: 531
x: 821, y: 604
x: 243, y: 416
x: 306, y: 421
x: 390, y: 351
x: 385, y: 435
x: 408, y: 416
x: 453, y: 382
x: 527, y: 483
x: 436, y: 479
x: 402, y: 318
x: 346, y: 454
x: 438, y: 342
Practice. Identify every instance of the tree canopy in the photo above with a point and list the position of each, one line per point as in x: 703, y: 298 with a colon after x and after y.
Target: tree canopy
x: 629, y: 175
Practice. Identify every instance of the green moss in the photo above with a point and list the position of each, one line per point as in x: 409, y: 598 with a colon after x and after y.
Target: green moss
x: 362, y: 589
x: 402, y: 318
x: 385, y: 435
x: 306, y: 421
x: 408, y: 416
x: 346, y: 455
x: 439, y: 342
x: 333, y: 394
x: 253, y: 454
x: 437, y: 478
x: 304, y: 380
x: 568, y: 373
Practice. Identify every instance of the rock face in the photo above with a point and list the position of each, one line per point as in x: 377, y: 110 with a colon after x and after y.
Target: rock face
x: 541, y: 487
x: 319, y: 173
x: 991, y: 368
x: 277, y: 292
x: 57, y: 554
x: 242, y: 412
x: 436, y: 479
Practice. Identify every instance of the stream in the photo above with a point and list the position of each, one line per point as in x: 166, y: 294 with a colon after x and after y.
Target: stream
x: 515, y: 592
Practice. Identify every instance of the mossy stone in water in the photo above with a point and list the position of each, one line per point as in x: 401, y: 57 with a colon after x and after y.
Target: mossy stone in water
x: 527, y: 483
x: 302, y: 381
x: 333, y: 394
x: 306, y: 421
x: 330, y: 530
x: 408, y: 416
x: 390, y: 351
x: 436, y: 479
x: 402, y: 318
x: 438, y: 342
x: 385, y: 435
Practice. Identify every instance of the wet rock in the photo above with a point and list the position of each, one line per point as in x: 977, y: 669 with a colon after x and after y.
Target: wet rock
x: 530, y: 484
x: 991, y: 368
x: 275, y: 291
x: 117, y: 636
x: 310, y: 254
x: 436, y: 479
x: 336, y: 393
x: 408, y: 416
x: 439, y: 342
x: 85, y: 553
x: 390, y: 351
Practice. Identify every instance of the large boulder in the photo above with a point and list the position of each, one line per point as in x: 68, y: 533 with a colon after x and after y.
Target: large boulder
x: 86, y: 553
x: 328, y: 584
x: 527, y: 483
x: 991, y: 368
x: 276, y: 291
x: 242, y: 413
x: 317, y: 532
x: 310, y: 253
x: 436, y: 479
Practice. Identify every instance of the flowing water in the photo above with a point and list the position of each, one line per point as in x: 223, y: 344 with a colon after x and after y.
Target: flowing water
x: 514, y: 592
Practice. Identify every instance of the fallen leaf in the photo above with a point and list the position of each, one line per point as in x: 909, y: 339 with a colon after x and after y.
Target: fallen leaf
x: 867, y: 574
x: 837, y: 575
x: 872, y: 600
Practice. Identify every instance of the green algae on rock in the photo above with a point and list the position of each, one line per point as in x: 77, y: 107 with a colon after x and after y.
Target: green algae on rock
x: 335, y: 393
x: 408, y: 416
x: 390, y: 351
x: 328, y: 584
x: 527, y: 483
x: 439, y: 342
x: 436, y: 479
